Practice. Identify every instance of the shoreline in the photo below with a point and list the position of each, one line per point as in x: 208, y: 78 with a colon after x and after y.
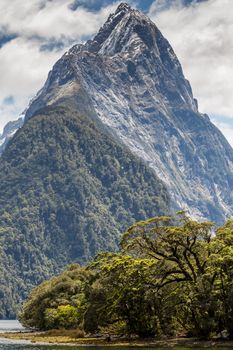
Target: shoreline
x: 48, y: 338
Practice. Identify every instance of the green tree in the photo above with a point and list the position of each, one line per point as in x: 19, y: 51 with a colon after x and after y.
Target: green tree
x: 172, y: 274
x: 57, y: 303
x: 184, y: 274
x: 223, y: 264
x: 124, y: 294
x: 64, y: 316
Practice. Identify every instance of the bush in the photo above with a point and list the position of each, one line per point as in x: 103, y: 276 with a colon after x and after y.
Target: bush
x: 64, y: 316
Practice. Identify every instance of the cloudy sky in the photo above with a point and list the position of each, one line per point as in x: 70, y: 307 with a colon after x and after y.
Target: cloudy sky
x: 35, y: 33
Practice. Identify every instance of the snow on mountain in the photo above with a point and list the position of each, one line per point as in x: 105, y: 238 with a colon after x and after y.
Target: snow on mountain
x: 130, y: 79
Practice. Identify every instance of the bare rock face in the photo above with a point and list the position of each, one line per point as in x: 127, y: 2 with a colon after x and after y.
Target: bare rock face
x: 130, y: 79
x: 9, y: 131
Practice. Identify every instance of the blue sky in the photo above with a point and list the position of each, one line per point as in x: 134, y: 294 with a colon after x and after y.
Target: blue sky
x: 35, y: 33
x: 144, y: 5
x: 97, y: 4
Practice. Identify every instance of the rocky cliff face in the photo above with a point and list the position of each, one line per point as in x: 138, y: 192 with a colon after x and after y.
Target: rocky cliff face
x: 129, y: 77
x: 9, y: 131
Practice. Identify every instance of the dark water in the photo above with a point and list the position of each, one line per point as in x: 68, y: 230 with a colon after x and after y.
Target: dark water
x: 14, y: 326
x: 12, y: 346
x: 62, y: 347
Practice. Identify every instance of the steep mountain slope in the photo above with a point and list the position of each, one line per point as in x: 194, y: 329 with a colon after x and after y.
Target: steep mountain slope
x: 67, y: 191
x: 134, y: 84
x: 8, y: 132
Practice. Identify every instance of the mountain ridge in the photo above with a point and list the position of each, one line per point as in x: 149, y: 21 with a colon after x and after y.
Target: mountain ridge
x: 130, y: 79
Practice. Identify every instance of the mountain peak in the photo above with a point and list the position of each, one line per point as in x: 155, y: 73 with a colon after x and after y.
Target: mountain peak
x: 120, y: 30
x: 123, y: 7
x: 129, y: 78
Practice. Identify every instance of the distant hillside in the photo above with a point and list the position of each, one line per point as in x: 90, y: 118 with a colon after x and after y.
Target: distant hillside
x: 67, y: 191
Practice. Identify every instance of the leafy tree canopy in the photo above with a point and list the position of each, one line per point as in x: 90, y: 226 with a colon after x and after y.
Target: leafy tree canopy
x: 172, y: 275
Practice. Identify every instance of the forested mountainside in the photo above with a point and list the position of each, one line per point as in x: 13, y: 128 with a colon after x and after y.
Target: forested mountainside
x: 67, y: 191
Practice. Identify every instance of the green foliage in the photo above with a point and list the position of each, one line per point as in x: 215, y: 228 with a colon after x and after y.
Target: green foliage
x: 57, y: 303
x: 64, y: 316
x: 67, y: 191
x: 172, y: 275
x: 122, y: 282
x: 190, y: 260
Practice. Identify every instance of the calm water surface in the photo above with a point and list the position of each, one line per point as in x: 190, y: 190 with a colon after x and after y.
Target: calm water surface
x: 15, y: 326
x: 10, y: 326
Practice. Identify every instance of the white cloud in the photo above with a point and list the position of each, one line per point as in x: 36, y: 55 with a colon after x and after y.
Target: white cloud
x: 49, y: 19
x: 23, y: 66
x: 202, y: 37
x: 226, y: 128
